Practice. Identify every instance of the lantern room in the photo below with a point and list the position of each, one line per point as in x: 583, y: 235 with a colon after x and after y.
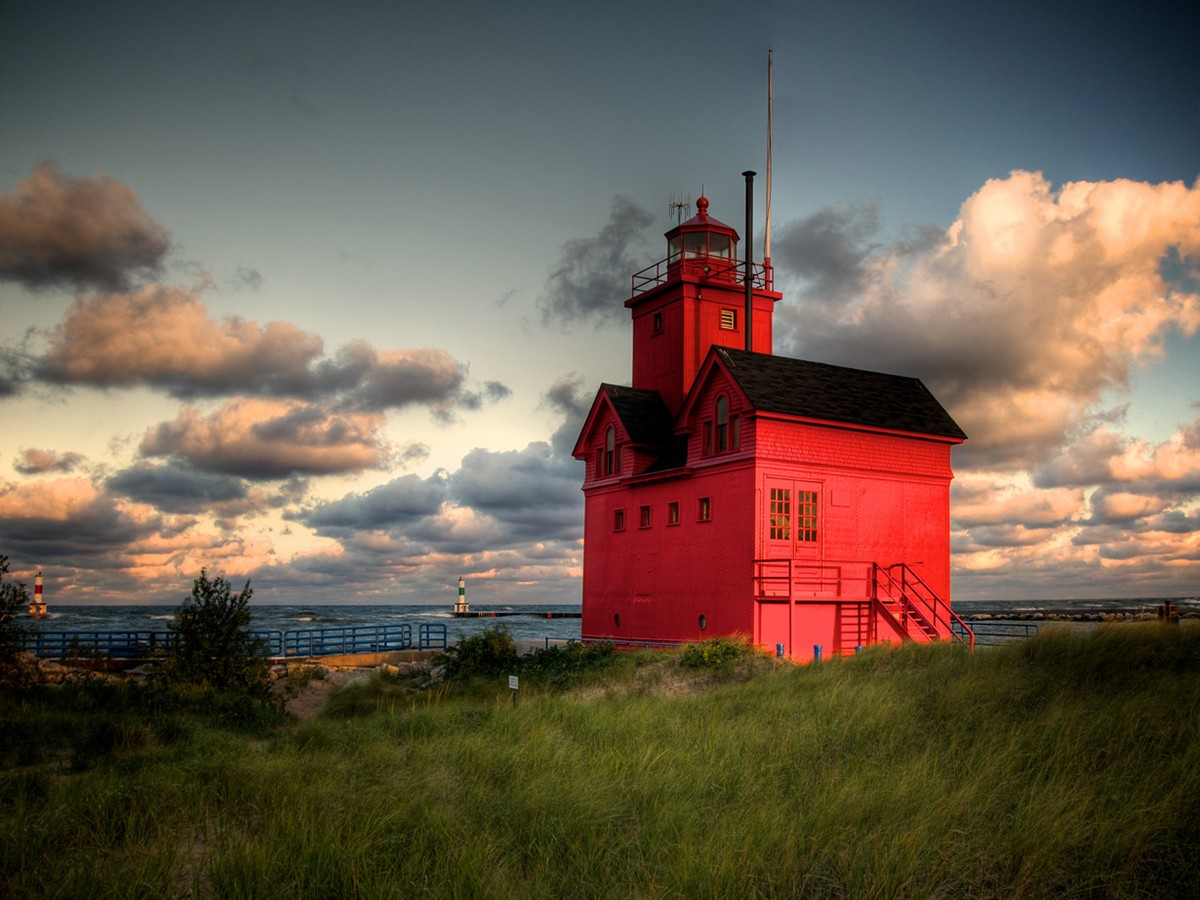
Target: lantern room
x: 702, y: 246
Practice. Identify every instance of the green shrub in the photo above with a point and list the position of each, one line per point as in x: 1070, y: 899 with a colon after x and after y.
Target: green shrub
x: 491, y: 653
x: 559, y: 666
x: 715, y: 653
x: 213, y: 646
x: 13, y: 600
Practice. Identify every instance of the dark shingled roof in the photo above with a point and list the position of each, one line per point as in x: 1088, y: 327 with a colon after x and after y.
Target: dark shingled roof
x: 644, y: 415
x: 812, y: 390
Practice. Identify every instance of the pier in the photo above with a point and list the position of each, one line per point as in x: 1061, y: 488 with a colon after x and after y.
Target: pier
x: 462, y: 609
x: 496, y: 614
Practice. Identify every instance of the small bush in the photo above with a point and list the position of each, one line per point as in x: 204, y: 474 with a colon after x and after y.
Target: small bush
x: 559, y: 666
x: 13, y: 600
x: 716, y: 653
x: 213, y: 647
x: 491, y: 653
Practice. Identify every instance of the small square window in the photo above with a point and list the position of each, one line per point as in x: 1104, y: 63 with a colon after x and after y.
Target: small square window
x: 618, y: 520
x: 729, y: 319
x: 704, y: 509
x: 644, y: 517
x: 673, y: 512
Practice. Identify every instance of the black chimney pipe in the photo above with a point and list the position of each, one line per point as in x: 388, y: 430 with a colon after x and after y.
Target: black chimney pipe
x: 749, y: 251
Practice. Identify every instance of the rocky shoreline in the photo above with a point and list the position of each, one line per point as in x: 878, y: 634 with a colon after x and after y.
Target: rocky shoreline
x: 1172, y: 614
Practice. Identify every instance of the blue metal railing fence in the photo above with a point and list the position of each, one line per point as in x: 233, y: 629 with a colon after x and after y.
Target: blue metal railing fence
x: 299, y: 642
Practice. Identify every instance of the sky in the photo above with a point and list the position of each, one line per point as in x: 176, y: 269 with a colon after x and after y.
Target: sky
x: 317, y: 295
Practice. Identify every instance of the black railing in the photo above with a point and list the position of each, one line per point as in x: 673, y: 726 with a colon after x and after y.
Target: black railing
x: 700, y: 268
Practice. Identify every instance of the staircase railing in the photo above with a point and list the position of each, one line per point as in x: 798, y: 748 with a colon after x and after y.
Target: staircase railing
x: 899, y: 583
x: 899, y: 596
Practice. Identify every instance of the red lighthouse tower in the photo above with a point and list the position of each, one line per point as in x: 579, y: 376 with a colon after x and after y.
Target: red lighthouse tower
x: 693, y: 300
x: 731, y: 491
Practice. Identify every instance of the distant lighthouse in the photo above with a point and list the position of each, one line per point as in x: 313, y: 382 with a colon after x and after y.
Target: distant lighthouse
x: 37, y: 608
x: 461, y: 607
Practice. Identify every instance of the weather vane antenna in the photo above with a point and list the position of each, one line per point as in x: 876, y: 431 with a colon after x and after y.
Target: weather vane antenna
x: 679, y: 206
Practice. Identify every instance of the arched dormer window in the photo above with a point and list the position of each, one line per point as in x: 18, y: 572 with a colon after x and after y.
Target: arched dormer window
x: 611, y: 464
x: 722, y: 424
x: 722, y: 433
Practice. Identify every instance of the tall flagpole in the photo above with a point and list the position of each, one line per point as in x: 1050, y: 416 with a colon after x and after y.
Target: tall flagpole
x: 767, y: 234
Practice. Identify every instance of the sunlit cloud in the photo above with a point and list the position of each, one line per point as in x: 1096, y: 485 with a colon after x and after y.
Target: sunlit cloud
x: 59, y: 231
x: 269, y: 439
x: 1018, y: 317
x: 37, y: 461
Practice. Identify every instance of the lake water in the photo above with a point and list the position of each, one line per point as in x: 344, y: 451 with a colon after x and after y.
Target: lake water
x: 529, y: 626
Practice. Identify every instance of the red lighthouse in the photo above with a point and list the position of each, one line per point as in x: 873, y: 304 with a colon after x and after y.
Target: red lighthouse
x: 731, y: 491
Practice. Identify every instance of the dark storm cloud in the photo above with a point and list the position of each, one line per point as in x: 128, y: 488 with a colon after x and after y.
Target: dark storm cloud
x: 176, y: 489
x: 58, y: 231
x: 494, y: 499
x: 572, y: 398
x: 398, y: 504
x: 828, y: 249
x: 532, y: 491
x: 591, y: 281
x: 68, y: 522
x: 14, y: 371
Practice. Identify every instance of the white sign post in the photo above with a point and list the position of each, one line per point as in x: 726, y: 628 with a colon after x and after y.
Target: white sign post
x: 512, y: 686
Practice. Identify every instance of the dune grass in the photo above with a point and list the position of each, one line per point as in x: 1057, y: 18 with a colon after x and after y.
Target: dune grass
x: 1066, y: 765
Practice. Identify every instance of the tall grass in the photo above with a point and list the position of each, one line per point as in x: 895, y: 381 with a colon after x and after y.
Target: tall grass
x: 1067, y: 765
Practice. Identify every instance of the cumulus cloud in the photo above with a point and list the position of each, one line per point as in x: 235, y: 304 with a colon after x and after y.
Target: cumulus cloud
x: 1032, y: 304
x: 269, y: 439
x: 983, y: 500
x: 164, y: 337
x: 68, y: 518
x: 591, y: 280
x: 1103, y: 456
x: 532, y: 492
x: 571, y: 397
x: 494, y: 521
x: 175, y: 488
x: 35, y: 461
x: 1024, y: 317
x: 400, y: 502
x: 59, y: 231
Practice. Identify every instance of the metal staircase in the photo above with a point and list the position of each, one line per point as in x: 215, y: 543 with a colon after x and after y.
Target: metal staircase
x: 913, y: 609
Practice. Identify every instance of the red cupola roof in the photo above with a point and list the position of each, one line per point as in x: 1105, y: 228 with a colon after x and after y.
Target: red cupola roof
x: 701, y: 235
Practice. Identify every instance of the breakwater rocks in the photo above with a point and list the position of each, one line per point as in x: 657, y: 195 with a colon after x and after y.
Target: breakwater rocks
x: 1134, y: 615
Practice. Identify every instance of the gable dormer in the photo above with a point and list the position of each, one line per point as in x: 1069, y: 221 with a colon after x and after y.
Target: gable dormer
x: 716, y: 415
x: 626, y: 432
